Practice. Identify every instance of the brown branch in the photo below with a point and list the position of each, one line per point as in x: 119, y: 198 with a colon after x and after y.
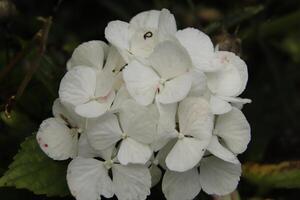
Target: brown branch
x: 41, y: 37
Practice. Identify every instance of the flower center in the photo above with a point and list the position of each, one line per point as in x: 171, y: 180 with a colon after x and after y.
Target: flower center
x: 124, y: 135
x: 108, y: 164
x: 180, y: 136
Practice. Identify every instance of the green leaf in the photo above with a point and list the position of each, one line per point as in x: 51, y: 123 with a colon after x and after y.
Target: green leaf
x: 282, y: 175
x: 33, y: 170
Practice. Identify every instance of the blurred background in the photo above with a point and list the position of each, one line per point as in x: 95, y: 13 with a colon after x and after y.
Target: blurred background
x: 266, y: 34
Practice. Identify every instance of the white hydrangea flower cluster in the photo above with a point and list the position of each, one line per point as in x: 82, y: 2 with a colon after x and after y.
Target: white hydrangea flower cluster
x: 156, y: 102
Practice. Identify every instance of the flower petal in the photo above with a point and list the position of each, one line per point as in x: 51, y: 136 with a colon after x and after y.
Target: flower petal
x: 220, y: 151
x: 218, y: 105
x: 199, y: 47
x: 103, y: 132
x: 146, y: 19
x: 170, y: 60
x: 198, y: 84
x: 131, y: 182
x: 181, y: 185
x: 176, y: 89
x: 185, y: 154
x: 91, y: 54
x: 57, y: 140
x: 78, y: 85
x: 94, y: 108
x: 231, y: 79
x: 166, y: 24
x: 219, y: 177
x: 118, y: 33
x: 134, y: 152
x: 88, y: 179
x: 84, y: 148
x: 156, y: 174
x: 141, y: 82
x: 234, y: 130
x: 195, y: 118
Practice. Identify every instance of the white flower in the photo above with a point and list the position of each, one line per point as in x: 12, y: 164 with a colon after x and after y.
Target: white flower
x: 195, y: 131
x: 228, y: 82
x: 138, y: 38
x: 58, y: 136
x: 230, y: 136
x: 89, y: 178
x: 216, y: 177
x: 167, y: 77
x: 89, y: 86
x: 135, y: 128
x: 226, y: 73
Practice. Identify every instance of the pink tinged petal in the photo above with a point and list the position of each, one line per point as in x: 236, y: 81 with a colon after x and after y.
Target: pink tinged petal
x: 91, y: 54
x: 103, y: 132
x: 176, y: 89
x: 170, y: 60
x: 95, y: 108
x: 219, y: 177
x: 141, y: 82
x: 185, y: 154
x: 199, y: 47
x: 220, y: 151
x: 234, y: 130
x: 166, y: 25
x: 78, y: 86
x: 231, y: 79
x: 219, y: 106
x: 131, y: 182
x: 132, y: 151
x: 181, y: 185
x: 196, y: 118
x: 88, y: 179
x: 57, y: 140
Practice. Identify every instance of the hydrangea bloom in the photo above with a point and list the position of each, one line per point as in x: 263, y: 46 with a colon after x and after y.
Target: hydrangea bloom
x: 155, y: 103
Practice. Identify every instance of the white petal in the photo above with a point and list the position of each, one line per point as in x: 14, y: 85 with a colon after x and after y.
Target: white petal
x: 176, y: 89
x: 91, y: 54
x: 131, y: 182
x: 186, y: 154
x: 163, y: 153
x: 219, y: 177
x: 134, y: 152
x: 94, y: 109
x: 234, y: 130
x: 141, y: 82
x: 78, y: 85
x: 169, y: 60
x: 146, y: 19
x: 219, y: 106
x: 199, y: 47
x: 218, y: 150
x: 114, y: 60
x: 121, y: 97
x: 166, y: 24
x: 57, y: 140
x: 198, y: 84
x: 88, y: 179
x: 66, y: 113
x: 103, y: 132
x: 118, y: 34
x: 156, y: 174
x: 195, y: 118
x: 84, y: 148
x: 232, y: 78
x: 166, y: 125
x: 181, y: 185
x: 138, y: 122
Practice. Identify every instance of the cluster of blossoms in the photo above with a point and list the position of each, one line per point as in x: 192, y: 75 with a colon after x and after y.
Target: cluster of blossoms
x: 156, y: 103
